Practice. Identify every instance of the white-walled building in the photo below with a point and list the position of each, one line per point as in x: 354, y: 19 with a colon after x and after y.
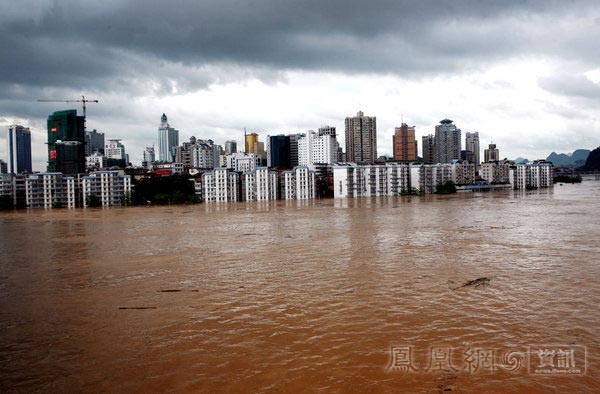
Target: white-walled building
x: 496, y: 171
x: 49, y: 190
x: 242, y: 162
x: 95, y: 160
x: 532, y: 175
x: 353, y: 180
x: 298, y: 184
x: 317, y: 148
x: 109, y: 186
x: 114, y: 149
x: 463, y: 172
x: 259, y: 185
x: 220, y: 185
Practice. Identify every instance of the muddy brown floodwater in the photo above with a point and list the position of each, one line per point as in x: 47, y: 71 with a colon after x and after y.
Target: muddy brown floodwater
x: 330, y: 296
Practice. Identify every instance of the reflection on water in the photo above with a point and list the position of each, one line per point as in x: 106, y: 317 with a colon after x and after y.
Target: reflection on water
x: 297, y: 296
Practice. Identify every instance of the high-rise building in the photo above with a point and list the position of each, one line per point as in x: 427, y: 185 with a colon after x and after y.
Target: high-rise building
x: 327, y: 130
x: 278, y: 151
x: 361, y: 138
x: 149, y: 157
x: 405, y: 143
x: 447, y: 144
x: 253, y: 145
x: 491, y: 154
x: 294, y: 148
x: 18, y: 149
x: 168, y: 139
x: 94, y: 142
x: 428, y: 148
x: 205, y: 154
x: 66, y: 142
x: 468, y: 156
x: 317, y: 148
x: 250, y: 141
x: 115, y: 150
x: 472, y: 144
x: 230, y: 147
x: 3, y: 167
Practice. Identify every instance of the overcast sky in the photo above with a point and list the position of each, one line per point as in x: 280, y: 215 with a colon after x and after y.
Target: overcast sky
x: 525, y: 74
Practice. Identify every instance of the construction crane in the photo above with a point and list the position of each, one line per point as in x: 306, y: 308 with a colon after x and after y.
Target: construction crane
x: 83, y: 100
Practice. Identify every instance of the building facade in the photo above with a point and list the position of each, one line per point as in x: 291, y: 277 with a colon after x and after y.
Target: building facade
x: 66, y: 143
x: 220, y: 185
x: 94, y: 142
x: 428, y: 144
x: 242, y: 162
x: 115, y: 150
x: 472, y: 145
x: 298, y: 184
x: 404, y: 143
x: 361, y: 138
x: 110, y: 187
x: 278, y: 151
x: 50, y: 190
x: 496, y: 172
x: 315, y: 148
x: 491, y: 153
x: 531, y: 175
x: 447, y: 143
x: 230, y: 147
x: 168, y: 139
x: 18, y: 141
x: 149, y: 157
x: 259, y: 185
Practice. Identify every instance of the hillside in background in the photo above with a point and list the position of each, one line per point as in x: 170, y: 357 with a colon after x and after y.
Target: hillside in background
x: 575, y: 159
x: 593, y: 161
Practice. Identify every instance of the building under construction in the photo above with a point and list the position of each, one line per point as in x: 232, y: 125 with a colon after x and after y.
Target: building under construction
x: 66, y: 142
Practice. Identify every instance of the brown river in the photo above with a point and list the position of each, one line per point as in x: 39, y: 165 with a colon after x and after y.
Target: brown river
x: 349, y: 295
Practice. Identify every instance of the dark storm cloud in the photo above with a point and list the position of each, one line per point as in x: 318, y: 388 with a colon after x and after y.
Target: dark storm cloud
x: 163, y: 47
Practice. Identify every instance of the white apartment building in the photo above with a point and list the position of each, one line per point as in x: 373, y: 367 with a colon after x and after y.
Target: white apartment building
x: 532, y: 175
x: 496, y: 172
x: 317, y: 148
x: 109, y: 186
x: 49, y: 190
x: 352, y: 180
x: 242, y: 162
x: 463, y: 172
x: 95, y: 160
x: 259, y: 185
x: 298, y: 184
x: 220, y: 185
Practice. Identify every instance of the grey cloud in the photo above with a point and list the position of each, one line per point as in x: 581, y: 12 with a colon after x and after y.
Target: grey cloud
x: 118, y: 44
x: 572, y: 85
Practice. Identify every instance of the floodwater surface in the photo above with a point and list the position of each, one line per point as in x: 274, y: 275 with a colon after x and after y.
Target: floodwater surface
x: 348, y: 295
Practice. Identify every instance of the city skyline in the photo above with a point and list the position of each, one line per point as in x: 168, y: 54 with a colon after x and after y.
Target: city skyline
x: 295, y: 68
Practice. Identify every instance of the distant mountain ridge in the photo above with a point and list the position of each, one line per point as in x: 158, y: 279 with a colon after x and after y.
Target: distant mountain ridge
x: 575, y: 159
